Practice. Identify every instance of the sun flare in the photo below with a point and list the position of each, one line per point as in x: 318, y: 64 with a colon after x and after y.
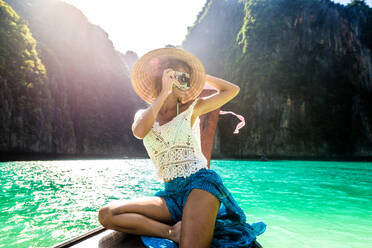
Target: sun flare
x: 144, y: 25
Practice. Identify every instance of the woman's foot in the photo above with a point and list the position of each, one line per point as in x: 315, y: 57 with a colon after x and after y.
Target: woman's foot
x: 175, y: 232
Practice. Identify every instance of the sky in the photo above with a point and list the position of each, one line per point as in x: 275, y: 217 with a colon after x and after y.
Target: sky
x: 144, y: 25
x: 141, y: 25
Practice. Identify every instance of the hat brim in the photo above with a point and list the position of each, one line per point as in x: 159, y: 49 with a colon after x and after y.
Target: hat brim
x: 143, y: 75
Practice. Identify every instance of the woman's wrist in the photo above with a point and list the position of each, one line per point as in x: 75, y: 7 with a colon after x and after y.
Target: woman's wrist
x: 212, y: 81
x: 163, y: 94
x: 158, y: 103
x: 208, y: 79
x: 219, y: 83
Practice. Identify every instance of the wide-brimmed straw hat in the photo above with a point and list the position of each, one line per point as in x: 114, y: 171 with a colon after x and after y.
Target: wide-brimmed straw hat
x: 145, y: 71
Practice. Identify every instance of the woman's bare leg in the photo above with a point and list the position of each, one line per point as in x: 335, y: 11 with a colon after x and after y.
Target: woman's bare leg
x: 149, y: 216
x: 198, y: 219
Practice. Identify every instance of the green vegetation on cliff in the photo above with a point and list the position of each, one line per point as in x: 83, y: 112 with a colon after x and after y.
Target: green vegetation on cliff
x: 25, y: 97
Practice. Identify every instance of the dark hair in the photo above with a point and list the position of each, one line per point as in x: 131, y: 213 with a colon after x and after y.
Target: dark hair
x: 169, y: 63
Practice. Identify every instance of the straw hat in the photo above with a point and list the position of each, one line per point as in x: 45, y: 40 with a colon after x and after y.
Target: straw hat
x: 144, y: 72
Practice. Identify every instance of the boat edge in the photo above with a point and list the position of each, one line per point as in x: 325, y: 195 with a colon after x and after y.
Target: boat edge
x: 80, y: 238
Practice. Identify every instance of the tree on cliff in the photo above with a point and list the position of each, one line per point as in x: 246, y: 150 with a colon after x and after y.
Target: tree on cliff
x: 24, y: 95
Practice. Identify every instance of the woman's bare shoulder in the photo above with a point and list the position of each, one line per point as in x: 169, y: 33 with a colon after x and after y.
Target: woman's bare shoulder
x: 138, y: 113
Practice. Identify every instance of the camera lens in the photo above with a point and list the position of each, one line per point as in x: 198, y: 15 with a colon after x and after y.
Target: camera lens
x: 183, y: 78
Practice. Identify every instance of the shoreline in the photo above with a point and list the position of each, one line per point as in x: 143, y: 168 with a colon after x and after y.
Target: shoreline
x: 31, y: 156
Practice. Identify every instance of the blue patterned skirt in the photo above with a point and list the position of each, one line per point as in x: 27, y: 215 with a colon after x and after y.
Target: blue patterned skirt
x: 231, y: 229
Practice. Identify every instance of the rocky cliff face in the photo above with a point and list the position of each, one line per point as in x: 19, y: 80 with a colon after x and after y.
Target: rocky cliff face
x: 92, y: 102
x: 304, y: 68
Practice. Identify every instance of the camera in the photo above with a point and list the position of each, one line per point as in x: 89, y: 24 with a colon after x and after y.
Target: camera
x: 183, y: 79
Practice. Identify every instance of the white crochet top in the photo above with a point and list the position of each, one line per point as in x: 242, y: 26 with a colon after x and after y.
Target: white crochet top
x: 175, y: 147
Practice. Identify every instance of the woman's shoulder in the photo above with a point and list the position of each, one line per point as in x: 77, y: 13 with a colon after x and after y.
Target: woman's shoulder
x: 138, y: 113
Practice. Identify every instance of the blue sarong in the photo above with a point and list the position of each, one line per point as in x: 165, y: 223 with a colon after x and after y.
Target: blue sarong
x: 231, y: 229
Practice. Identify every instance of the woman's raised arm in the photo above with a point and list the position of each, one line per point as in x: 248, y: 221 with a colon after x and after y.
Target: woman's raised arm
x: 226, y: 92
x: 144, y: 120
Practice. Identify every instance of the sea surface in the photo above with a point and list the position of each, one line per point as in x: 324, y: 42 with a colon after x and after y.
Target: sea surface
x: 304, y: 203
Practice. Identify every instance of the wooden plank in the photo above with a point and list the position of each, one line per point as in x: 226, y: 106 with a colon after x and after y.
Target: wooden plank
x: 102, y: 238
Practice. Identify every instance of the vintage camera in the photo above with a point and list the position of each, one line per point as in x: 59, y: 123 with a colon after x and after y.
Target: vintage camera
x: 183, y: 79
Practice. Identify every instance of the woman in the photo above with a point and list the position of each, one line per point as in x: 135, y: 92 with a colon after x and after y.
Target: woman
x: 195, y: 209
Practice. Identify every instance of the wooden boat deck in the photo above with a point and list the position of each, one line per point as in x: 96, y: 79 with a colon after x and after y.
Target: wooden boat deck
x: 104, y: 238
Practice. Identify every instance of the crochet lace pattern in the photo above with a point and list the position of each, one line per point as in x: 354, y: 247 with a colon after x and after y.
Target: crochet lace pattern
x: 175, y: 147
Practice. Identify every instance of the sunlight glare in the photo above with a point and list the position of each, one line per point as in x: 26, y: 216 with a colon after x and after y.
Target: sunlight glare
x: 142, y: 25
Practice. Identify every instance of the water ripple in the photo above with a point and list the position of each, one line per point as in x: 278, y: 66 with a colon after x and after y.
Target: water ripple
x: 304, y: 203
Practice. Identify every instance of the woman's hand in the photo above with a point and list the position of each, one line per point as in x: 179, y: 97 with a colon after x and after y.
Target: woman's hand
x: 167, y: 81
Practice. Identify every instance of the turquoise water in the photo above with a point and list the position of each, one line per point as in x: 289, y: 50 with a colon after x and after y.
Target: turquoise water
x: 304, y: 204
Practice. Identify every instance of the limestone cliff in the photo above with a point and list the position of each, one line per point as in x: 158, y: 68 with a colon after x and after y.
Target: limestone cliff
x: 92, y: 100
x: 304, y: 68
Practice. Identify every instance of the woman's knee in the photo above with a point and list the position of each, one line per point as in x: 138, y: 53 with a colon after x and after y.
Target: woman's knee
x: 104, y: 216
